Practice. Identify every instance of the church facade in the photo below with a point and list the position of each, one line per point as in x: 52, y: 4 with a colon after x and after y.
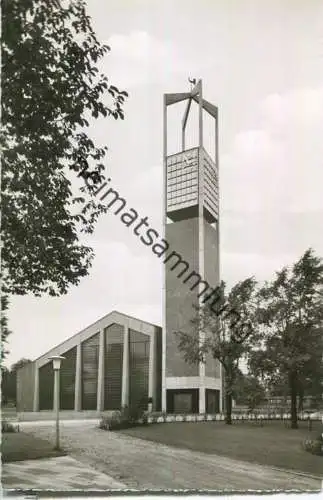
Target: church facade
x: 112, y: 363
x: 120, y: 360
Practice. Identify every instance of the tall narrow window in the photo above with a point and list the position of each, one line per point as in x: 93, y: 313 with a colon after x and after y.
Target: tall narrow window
x: 139, y: 368
x: 67, y: 380
x: 46, y: 386
x: 113, y: 366
x: 90, y: 364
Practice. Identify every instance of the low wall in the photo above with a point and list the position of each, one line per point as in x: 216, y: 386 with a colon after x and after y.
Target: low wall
x: 153, y: 418
x: 51, y: 415
x: 221, y: 417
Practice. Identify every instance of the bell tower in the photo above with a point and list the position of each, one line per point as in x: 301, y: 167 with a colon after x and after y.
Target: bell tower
x: 191, y: 227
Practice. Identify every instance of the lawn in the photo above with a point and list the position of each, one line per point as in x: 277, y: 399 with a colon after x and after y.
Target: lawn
x: 273, y: 444
x: 20, y: 446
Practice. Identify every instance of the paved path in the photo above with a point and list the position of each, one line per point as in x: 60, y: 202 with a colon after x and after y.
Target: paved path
x: 143, y: 464
x: 63, y: 473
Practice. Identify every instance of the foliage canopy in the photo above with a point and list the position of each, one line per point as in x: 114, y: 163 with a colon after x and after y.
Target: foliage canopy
x: 51, y: 92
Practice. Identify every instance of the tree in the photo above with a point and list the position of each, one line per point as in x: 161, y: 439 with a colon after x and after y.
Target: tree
x: 51, y: 91
x: 8, y: 388
x: 9, y: 380
x: 20, y: 364
x: 248, y: 390
x: 224, y: 336
x: 310, y: 379
x: 266, y: 371
x: 5, y: 332
x: 290, y: 315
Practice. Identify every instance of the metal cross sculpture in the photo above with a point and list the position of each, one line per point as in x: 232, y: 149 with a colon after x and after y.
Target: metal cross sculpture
x: 192, y: 82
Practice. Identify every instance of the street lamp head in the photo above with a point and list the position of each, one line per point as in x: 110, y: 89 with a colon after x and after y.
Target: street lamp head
x: 57, y: 361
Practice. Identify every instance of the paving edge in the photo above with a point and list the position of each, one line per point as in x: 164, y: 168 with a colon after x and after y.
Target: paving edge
x: 290, y: 471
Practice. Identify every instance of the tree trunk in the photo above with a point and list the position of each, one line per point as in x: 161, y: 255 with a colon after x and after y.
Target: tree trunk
x: 228, y: 408
x: 300, y: 397
x: 228, y: 384
x: 293, y: 399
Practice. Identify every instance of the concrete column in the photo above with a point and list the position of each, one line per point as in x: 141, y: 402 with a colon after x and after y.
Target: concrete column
x: 36, y: 389
x: 201, y: 271
x: 202, y: 400
x: 222, y: 389
x: 78, y: 379
x: 125, y: 368
x: 152, y: 368
x: 163, y: 380
x: 56, y: 404
x: 201, y: 240
x: 100, y: 393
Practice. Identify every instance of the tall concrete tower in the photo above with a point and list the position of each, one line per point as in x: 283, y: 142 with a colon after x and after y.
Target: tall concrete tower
x: 191, y: 229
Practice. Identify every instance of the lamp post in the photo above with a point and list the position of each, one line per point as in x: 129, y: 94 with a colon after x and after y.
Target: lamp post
x: 56, y: 366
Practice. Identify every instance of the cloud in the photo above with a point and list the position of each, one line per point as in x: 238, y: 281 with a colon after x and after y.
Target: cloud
x: 239, y: 266
x: 278, y: 166
x: 145, y: 194
x: 138, y: 45
x: 297, y: 109
x: 127, y: 277
x: 139, y: 58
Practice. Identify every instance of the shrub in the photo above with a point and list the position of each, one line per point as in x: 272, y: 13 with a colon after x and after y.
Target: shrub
x: 132, y: 413
x: 8, y: 427
x: 135, y: 412
x: 110, y: 420
x: 144, y: 418
x: 314, y: 446
x: 129, y: 416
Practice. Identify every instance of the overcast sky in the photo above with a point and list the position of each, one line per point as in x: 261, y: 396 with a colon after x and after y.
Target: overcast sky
x: 262, y: 64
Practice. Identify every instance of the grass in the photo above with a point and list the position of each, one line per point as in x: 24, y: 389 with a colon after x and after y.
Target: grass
x: 273, y: 444
x: 20, y: 446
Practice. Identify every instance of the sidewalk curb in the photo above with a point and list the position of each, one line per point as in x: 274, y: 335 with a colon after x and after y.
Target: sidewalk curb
x: 291, y: 471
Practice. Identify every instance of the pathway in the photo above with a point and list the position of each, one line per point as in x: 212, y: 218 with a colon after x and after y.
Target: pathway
x: 63, y: 473
x: 143, y: 464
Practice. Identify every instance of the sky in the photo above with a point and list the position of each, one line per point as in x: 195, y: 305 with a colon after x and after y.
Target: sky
x: 261, y: 63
